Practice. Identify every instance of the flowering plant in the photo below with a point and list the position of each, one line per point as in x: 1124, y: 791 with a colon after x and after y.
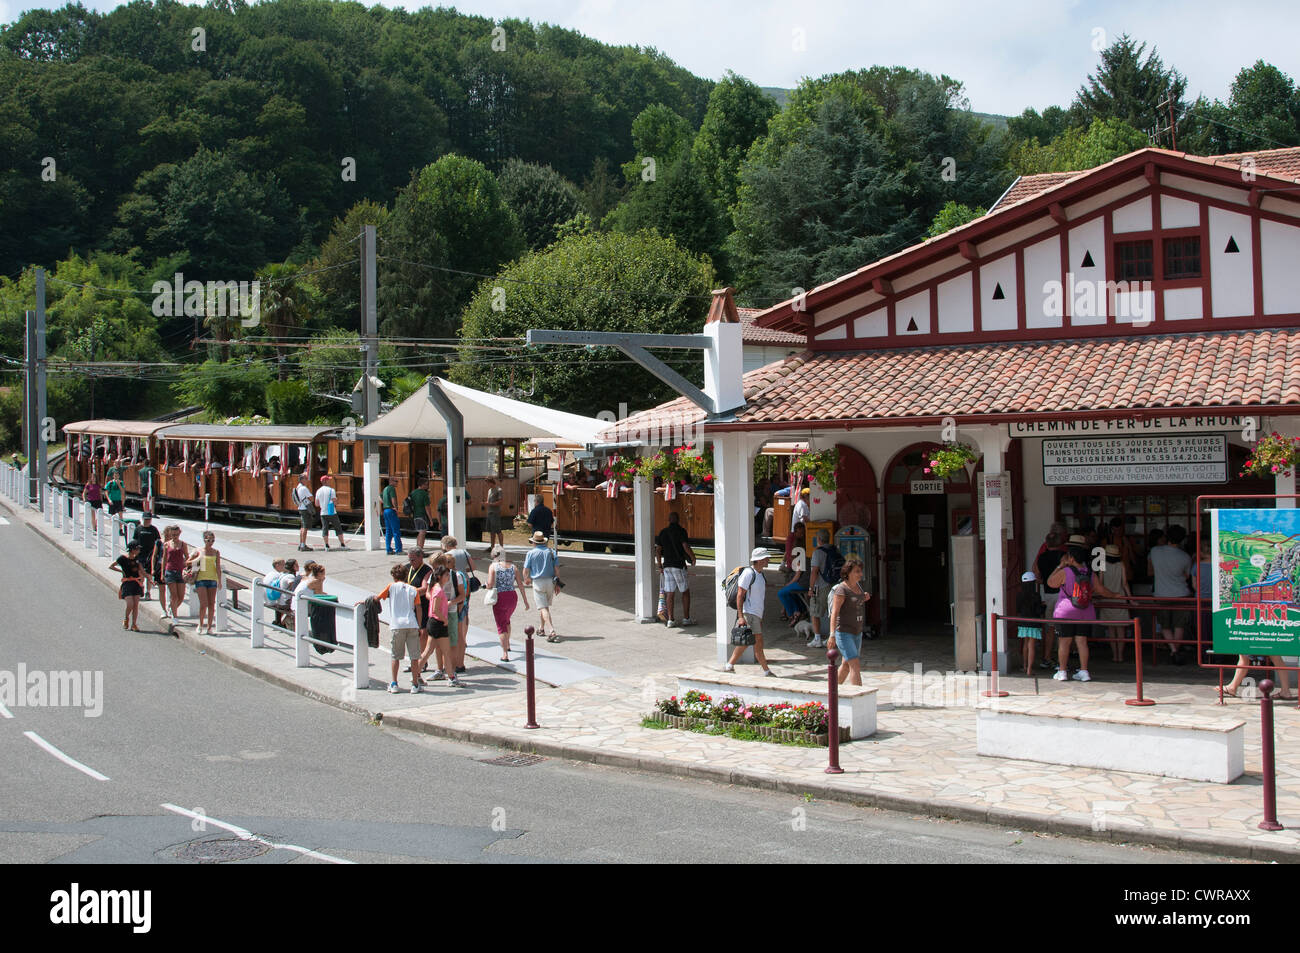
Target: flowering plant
x: 1273, y: 454
x: 950, y: 458
x: 820, y: 465
x: 669, y: 706
x: 698, y: 466
x: 696, y: 704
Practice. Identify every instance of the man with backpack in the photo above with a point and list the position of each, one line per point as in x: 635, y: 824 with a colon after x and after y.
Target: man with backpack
x: 306, y: 501
x: 746, y: 589
x: 827, y: 563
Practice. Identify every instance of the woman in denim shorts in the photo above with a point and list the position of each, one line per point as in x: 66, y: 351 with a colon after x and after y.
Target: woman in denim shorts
x: 848, y: 616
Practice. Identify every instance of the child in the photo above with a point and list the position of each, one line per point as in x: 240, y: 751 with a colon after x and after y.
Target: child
x: 1029, y: 606
x: 404, y: 627
x: 436, y: 626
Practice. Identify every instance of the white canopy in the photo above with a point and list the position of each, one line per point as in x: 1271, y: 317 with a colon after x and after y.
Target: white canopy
x: 487, y: 417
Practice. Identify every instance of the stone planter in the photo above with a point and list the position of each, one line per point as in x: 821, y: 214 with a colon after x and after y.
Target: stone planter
x: 685, y: 722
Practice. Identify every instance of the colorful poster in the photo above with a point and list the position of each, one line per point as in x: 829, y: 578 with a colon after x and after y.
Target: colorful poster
x: 1256, y: 570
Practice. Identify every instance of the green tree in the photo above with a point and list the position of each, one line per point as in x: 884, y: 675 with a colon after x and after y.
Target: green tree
x: 1078, y: 149
x: 951, y: 216
x: 1262, y: 112
x: 589, y: 282
x: 679, y: 204
x: 738, y: 114
x: 541, y: 199
x: 335, y: 272
x: 1130, y: 88
x: 226, y: 389
x: 1030, y: 125
x: 659, y: 134
x: 448, y: 227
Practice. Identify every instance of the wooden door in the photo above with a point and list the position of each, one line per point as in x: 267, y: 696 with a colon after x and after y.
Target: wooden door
x: 925, y: 557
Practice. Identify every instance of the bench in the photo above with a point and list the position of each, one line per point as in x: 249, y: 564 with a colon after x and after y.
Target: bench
x: 1173, y: 744
x: 234, y: 587
x: 857, y: 703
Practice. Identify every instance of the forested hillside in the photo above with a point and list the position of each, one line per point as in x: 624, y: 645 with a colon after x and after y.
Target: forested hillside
x: 518, y: 174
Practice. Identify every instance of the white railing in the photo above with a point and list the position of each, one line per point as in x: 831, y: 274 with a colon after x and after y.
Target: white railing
x: 303, y: 641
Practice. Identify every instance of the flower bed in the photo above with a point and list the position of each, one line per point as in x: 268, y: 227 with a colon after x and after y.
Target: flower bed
x: 808, y: 723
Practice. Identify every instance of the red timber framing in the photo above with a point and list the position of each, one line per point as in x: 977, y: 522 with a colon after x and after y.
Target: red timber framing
x: 1052, y: 210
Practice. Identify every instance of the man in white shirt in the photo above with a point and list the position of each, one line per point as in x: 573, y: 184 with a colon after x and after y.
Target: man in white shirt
x: 326, y: 502
x: 302, y: 497
x: 751, y: 593
x: 403, y: 627
x: 799, y: 515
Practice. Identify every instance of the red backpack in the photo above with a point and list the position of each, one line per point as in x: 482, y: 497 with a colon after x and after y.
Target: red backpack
x: 1080, y: 590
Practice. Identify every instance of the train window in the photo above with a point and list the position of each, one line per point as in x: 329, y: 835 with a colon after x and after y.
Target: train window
x: 383, y: 459
x: 483, y: 461
x: 345, y: 457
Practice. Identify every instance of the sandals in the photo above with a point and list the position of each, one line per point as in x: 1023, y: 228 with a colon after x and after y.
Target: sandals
x: 135, y: 628
x: 125, y: 624
x: 554, y: 637
x: 505, y: 658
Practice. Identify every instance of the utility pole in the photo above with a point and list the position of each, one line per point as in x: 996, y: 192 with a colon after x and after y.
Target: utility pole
x: 34, y: 402
x: 369, y: 372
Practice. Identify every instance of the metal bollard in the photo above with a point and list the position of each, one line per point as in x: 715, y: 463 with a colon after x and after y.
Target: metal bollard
x: 833, y: 710
x: 301, y: 650
x: 993, y: 691
x: 361, y: 650
x: 531, y: 678
x: 1269, y: 823
x: 1141, y: 701
x: 257, y: 628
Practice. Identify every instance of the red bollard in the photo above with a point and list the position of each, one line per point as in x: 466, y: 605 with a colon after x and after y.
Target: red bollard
x: 1269, y: 823
x: 531, y: 687
x: 1137, y: 659
x: 833, y: 711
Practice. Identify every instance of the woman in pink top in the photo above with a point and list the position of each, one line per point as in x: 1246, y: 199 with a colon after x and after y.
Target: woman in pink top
x: 1078, y: 585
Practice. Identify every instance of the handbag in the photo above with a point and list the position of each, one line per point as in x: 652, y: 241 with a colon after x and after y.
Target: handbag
x: 742, y: 635
x: 490, y: 597
x: 475, y: 584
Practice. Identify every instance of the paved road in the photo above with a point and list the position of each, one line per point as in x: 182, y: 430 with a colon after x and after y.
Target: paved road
x: 187, y: 753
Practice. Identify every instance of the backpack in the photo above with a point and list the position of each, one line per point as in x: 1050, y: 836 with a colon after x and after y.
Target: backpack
x: 1080, y: 594
x: 731, y: 585
x: 830, y: 573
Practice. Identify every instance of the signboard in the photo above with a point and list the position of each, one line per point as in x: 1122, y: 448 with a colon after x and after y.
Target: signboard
x: 1131, y: 426
x: 999, y: 487
x: 1175, y: 458
x: 928, y: 487
x: 1256, y: 568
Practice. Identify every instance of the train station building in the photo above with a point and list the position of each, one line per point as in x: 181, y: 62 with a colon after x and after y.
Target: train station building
x: 1108, y: 343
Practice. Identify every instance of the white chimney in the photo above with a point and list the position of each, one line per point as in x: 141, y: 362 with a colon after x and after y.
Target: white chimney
x: 724, y: 361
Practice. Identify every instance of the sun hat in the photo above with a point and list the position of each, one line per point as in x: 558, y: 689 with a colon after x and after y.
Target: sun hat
x: 1076, y: 540
x: 1112, y: 550
x: 538, y: 537
x: 1028, y: 577
x: 758, y: 554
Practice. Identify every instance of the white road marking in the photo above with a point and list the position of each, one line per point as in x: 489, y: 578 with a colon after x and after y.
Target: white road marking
x: 64, y: 758
x: 3, y: 521
x: 5, y: 712
x: 249, y: 835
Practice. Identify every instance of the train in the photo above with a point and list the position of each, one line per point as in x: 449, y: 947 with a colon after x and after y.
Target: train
x: 250, y: 471
x: 1276, y: 588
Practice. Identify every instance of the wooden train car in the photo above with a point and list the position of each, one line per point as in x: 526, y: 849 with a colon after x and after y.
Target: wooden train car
x: 252, y: 470
x: 1276, y: 588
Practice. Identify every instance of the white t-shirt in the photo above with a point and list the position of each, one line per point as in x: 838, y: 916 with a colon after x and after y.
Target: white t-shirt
x: 402, y: 597
x: 799, y: 514
x: 302, y: 495
x: 1172, y: 567
x: 755, y: 586
x: 288, y: 582
x: 325, y: 497
x: 272, y: 581
x: 301, y: 587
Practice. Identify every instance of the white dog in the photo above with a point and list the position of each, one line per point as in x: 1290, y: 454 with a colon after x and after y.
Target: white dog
x: 804, y: 629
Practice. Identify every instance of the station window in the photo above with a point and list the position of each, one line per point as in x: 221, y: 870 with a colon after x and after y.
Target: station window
x: 1134, y: 261
x: 1183, y: 257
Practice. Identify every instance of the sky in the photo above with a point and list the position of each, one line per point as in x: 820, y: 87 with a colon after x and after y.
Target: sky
x: 1009, y: 53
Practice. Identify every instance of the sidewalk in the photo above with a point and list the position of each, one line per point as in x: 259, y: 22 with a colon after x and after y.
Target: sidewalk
x: 922, y: 759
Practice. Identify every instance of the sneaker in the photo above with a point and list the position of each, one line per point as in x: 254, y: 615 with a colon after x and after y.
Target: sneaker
x: 728, y: 667
x: 415, y: 688
x: 686, y: 622
x: 407, y: 669
x: 1060, y: 676
x: 672, y: 623
x: 1082, y: 675
x: 327, y: 545
x: 1046, y: 666
x: 392, y: 688
x: 769, y: 673
x: 460, y: 669
x: 438, y: 676
x: 816, y: 643
x: 456, y: 683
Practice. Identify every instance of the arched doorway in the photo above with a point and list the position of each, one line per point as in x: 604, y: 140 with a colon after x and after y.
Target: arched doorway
x: 922, y: 513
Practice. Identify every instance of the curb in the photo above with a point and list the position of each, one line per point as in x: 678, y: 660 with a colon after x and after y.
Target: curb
x: 930, y: 807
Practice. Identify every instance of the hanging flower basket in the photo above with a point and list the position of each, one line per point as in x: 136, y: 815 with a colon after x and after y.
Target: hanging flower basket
x: 1273, y: 455
x: 820, y: 466
x: 950, y: 459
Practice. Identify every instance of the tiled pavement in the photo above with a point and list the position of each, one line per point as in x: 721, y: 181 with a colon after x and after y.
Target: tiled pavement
x: 922, y: 759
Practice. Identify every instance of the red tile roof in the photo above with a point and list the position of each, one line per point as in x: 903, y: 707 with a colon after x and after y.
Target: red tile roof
x: 1280, y: 163
x: 1222, y: 370
x: 751, y: 333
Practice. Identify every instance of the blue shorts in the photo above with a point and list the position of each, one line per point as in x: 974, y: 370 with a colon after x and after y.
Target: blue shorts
x: 848, y: 645
x: 206, y: 584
